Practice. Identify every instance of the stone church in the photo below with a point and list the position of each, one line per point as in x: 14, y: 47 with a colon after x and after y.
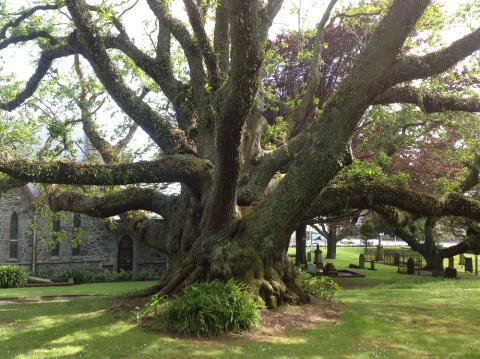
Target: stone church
x: 22, y: 242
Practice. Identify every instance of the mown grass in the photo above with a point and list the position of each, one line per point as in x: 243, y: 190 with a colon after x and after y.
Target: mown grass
x: 112, y: 289
x: 395, y: 316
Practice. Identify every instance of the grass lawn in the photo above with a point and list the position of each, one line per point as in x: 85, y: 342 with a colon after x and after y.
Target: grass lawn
x: 394, y: 316
x: 110, y: 289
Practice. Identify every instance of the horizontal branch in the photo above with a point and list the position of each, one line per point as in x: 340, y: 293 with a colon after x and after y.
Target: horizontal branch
x: 368, y: 196
x: 420, y: 67
x: 190, y: 170
x: 111, y: 204
x: 429, y: 102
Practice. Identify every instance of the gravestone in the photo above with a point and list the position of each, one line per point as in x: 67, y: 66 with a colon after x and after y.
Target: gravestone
x: 361, y: 261
x: 330, y: 270
x: 379, y: 254
x: 396, y: 259
x: 372, y: 265
x: 450, y: 273
x: 461, y: 259
x: 309, y: 257
x: 468, y: 264
x: 312, y: 268
x: 410, y: 266
x: 318, y: 257
x: 450, y: 262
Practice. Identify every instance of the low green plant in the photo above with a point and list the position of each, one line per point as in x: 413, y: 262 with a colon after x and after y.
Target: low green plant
x: 212, y: 308
x: 152, y: 310
x: 322, y: 287
x: 122, y: 276
x: 79, y: 276
x: 12, y: 276
x: 142, y: 275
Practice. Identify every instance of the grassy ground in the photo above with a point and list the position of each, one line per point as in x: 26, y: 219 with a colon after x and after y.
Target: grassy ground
x: 394, y: 316
x: 110, y: 289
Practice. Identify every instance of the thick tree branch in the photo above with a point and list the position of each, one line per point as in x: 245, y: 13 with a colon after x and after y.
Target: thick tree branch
x: 239, y: 97
x: 420, y: 67
x: 111, y: 204
x: 192, y: 52
x: 91, y: 45
x: 221, y: 41
x: 192, y: 171
x: 369, y: 196
x: 429, y: 102
x: 197, y: 23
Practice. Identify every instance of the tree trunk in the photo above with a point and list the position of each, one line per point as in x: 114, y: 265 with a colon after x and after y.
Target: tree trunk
x: 434, y: 263
x: 332, y: 242
x: 235, y: 252
x: 301, y: 245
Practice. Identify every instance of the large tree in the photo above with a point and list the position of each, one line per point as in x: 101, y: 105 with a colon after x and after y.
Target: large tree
x: 238, y: 203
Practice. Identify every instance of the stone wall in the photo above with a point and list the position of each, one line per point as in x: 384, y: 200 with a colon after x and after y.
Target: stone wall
x: 98, y: 245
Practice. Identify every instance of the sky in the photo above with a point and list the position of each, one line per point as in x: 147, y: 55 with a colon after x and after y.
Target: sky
x: 18, y: 62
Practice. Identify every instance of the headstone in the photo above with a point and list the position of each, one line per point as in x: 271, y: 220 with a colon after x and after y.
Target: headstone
x: 461, y: 259
x: 450, y: 263
x: 312, y: 268
x: 372, y: 265
x: 309, y: 257
x: 468, y: 264
x: 379, y: 254
x: 410, y: 266
x: 361, y: 261
x: 330, y: 270
x: 318, y: 257
x: 451, y: 273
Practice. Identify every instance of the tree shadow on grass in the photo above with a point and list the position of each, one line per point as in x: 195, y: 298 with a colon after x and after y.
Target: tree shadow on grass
x: 87, y: 328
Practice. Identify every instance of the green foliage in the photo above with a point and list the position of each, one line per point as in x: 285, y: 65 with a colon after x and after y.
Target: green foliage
x: 321, y: 287
x: 212, y: 308
x: 112, y: 276
x: 152, y: 311
x: 79, y: 276
x: 12, y: 276
x: 400, y: 179
x: 275, y: 134
x: 361, y: 171
x: 444, y: 185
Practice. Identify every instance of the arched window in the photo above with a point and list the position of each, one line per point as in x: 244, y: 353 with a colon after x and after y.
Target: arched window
x: 55, y: 236
x: 77, y: 223
x: 14, y: 236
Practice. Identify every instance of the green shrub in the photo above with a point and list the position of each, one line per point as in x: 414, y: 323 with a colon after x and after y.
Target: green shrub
x: 152, y: 310
x: 212, y: 308
x: 112, y: 276
x: 78, y: 275
x: 142, y: 275
x: 12, y: 276
x: 321, y: 287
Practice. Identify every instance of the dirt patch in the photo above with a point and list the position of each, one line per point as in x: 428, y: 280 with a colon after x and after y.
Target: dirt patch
x: 286, y: 318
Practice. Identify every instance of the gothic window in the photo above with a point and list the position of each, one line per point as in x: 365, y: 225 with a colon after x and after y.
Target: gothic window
x: 55, y: 236
x: 14, y: 236
x: 77, y: 223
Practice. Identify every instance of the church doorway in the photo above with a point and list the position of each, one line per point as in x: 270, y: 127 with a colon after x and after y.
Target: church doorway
x: 125, y: 254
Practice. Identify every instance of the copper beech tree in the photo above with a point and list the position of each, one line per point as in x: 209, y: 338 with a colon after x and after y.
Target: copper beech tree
x: 238, y: 203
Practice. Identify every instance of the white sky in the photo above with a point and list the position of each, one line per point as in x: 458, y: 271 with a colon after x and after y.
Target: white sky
x: 18, y: 62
